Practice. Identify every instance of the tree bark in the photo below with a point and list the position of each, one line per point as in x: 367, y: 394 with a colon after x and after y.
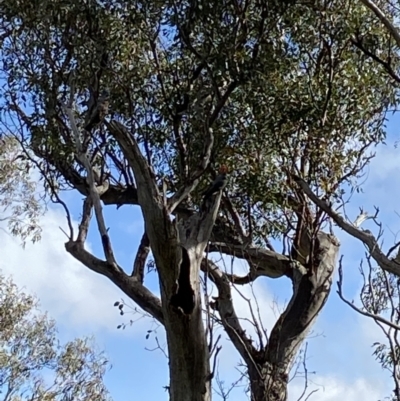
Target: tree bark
x: 190, y: 377
x: 188, y: 356
x: 177, y: 246
x: 268, y: 384
x: 311, y: 287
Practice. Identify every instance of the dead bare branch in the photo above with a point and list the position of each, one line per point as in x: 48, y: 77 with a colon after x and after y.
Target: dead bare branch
x: 357, y: 309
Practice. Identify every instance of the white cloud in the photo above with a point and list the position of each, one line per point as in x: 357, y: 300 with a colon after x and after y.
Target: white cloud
x: 331, y: 388
x: 72, y: 294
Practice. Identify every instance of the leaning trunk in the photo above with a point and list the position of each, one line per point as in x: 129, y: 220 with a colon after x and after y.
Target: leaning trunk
x: 311, y: 287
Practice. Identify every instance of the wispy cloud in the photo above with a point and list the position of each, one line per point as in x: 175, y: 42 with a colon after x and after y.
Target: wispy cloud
x: 71, y: 294
x: 331, y: 388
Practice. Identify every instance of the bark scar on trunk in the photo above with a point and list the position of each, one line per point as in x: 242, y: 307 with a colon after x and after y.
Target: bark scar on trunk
x: 184, y: 298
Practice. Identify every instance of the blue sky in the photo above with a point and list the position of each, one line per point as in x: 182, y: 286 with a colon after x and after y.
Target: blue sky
x: 339, y: 347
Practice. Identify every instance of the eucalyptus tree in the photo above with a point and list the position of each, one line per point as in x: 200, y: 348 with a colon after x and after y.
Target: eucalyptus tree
x: 34, y: 365
x: 140, y: 103
x: 20, y: 200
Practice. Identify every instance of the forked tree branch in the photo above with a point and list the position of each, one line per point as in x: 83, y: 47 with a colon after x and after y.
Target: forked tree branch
x: 94, y: 191
x: 365, y: 236
x: 132, y: 286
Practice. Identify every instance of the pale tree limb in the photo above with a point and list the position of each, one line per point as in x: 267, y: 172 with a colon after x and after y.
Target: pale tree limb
x: 93, y: 191
x: 161, y: 230
x: 365, y: 236
x: 131, y: 286
x: 263, y: 262
x: 149, y: 196
x: 85, y: 220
